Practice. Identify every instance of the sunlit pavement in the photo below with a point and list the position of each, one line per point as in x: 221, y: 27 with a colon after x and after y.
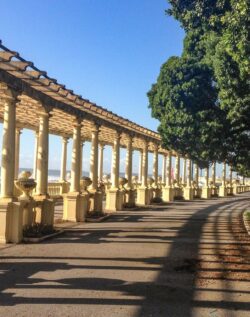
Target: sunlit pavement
x: 181, y: 259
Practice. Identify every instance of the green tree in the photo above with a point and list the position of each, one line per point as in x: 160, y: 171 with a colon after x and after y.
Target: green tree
x: 202, y: 97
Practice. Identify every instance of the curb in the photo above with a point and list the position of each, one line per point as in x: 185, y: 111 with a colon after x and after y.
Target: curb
x: 246, y: 221
x: 37, y: 240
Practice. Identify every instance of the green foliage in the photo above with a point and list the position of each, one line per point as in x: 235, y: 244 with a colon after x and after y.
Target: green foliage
x: 202, y: 97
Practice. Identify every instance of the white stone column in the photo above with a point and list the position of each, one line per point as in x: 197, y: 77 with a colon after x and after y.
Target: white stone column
x: 75, y: 163
x: 224, y: 174
x: 214, y: 173
x: 163, y: 174
x: 64, y: 159
x: 17, y: 151
x: 169, y: 170
x: 206, y: 190
x: 167, y: 192
x: 35, y: 155
x: 177, y: 170
x: 145, y: 165
x: 100, y: 162
x: 129, y: 162
x: 155, y: 165
x: 188, y: 190
x: 81, y: 157
x: 231, y: 176
x: 43, y: 154
x: 196, y: 174
x: 184, y: 172
x: 8, y: 145
x: 115, y: 162
x: 94, y: 158
x: 189, y: 176
x: 140, y: 167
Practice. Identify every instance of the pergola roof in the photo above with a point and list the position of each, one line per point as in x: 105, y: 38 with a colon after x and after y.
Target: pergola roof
x: 38, y: 89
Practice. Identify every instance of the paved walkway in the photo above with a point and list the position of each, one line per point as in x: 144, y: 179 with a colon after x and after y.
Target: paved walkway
x: 182, y: 259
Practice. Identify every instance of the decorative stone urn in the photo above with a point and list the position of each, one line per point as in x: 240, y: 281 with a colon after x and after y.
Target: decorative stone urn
x: 122, y: 182
x: 25, y: 184
x: 150, y: 181
x: 85, y: 182
x: 135, y: 181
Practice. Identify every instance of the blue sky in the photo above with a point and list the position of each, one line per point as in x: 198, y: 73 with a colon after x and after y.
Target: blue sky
x: 109, y: 51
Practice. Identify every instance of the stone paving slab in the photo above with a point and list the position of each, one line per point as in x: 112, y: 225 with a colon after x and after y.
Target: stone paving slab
x: 182, y: 259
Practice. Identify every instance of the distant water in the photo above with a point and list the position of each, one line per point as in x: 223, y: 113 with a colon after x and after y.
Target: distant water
x: 54, y: 175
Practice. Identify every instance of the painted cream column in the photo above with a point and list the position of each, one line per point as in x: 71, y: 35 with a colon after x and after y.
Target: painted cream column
x: 35, y: 155
x: 94, y: 158
x: 64, y: 159
x: 43, y: 153
x: 155, y: 165
x: 196, y: 174
x: 231, y: 176
x: 184, y: 172
x: 8, y: 145
x: 169, y: 169
x: 100, y: 163
x: 81, y: 157
x: 177, y: 170
x: 115, y: 162
x: 164, y: 172
x: 144, y: 194
x: 189, y: 167
x: 224, y: 174
x: 75, y: 164
x: 188, y: 190
x: 145, y: 165
x: 17, y: 151
x: 115, y: 197
x: 206, y: 191
x: 129, y: 162
x: 140, y: 167
x: 167, y: 191
x: 214, y: 173
x: 223, y: 187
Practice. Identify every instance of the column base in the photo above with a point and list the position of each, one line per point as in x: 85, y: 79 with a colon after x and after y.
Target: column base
x: 130, y: 198
x: 115, y: 200
x: 223, y: 191
x: 167, y: 194
x: 11, y: 221
x: 188, y: 193
x: 205, y: 192
x: 75, y: 206
x: 144, y: 195
x: 95, y: 200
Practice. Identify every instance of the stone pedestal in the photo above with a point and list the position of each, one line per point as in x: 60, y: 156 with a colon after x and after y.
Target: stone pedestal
x: 188, y: 193
x: 167, y: 194
x: 205, y: 192
x: 157, y: 193
x: 28, y: 211
x: 45, y: 208
x: 115, y: 199
x: 130, y: 198
x: 223, y: 191
x: 143, y: 196
x: 11, y: 221
x: 75, y: 206
x: 95, y: 198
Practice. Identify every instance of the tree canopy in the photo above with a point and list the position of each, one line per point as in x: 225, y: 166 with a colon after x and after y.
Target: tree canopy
x: 202, y: 97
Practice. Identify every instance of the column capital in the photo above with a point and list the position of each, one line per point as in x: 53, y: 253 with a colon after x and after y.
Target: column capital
x: 117, y: 135
x: 101, y: 145
x: 95, y: 127
x: 8, y: 94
